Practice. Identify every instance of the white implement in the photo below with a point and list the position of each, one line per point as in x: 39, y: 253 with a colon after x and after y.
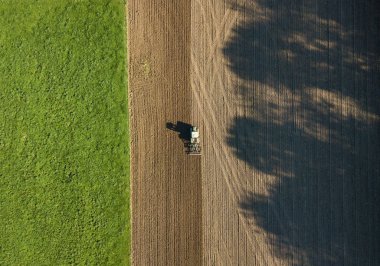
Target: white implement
x: 194, y: 145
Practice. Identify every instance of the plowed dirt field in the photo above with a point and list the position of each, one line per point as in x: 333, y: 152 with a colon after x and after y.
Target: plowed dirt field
x: 166, y: 183
x: 286, y: 94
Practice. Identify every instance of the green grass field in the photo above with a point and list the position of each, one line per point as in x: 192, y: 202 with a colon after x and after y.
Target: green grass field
x: 64, y: 156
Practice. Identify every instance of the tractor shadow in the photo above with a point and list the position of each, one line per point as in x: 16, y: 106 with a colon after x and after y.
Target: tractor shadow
x: 183, y: 130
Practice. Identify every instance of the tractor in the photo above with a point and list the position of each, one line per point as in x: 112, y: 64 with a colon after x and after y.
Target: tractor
x: 194, y: 147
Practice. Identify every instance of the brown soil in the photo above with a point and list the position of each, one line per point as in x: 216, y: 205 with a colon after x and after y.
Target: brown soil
x: 287, y: 93
x: 286, y: 96
x: 166, y: 183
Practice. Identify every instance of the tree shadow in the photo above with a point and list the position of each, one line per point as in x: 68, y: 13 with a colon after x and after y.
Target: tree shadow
x: 309, y: 74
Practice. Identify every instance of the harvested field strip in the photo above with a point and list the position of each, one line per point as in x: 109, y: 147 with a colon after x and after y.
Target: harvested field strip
x: 64, y: 156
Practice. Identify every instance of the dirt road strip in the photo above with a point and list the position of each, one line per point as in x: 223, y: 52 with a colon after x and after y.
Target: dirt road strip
x: 166, y: 183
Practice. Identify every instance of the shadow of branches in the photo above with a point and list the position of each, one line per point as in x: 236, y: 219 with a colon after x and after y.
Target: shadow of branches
x: 309, y: 75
